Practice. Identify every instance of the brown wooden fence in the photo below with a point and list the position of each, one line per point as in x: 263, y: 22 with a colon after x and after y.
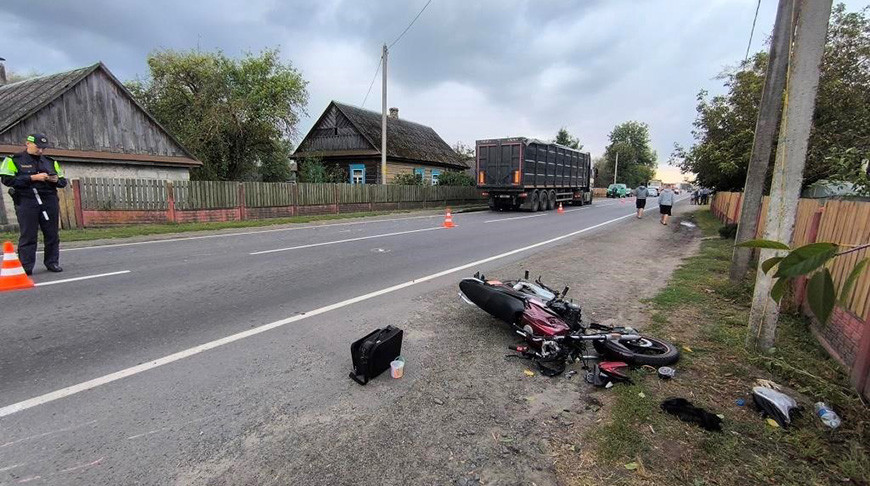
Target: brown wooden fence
x: 109, y: 201
x: 846, y: 223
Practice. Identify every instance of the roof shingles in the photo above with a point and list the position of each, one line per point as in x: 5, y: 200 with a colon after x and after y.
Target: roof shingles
x: 405, y: 139
x: 20, y: 100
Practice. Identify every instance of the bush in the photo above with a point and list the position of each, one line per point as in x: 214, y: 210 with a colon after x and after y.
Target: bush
x: 728, y: 232
x: 455, y: 178
x: 313, y: 170
x: 408, y: 179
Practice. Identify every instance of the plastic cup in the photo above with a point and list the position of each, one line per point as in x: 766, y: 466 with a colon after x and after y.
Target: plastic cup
x: 397, y: 368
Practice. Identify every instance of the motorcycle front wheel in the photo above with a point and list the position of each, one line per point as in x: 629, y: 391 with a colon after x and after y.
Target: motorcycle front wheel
x: 644, y: 351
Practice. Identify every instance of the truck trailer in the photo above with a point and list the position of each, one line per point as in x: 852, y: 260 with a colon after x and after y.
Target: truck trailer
x: 532, y: 175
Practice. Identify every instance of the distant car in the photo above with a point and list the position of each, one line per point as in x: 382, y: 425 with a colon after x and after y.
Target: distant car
x: 617, y: 190
x: 676, y: 190
x: 652, y: 192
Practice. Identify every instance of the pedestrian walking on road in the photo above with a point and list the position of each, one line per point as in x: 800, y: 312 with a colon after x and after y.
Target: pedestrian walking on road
x: 641, y: 193
x: 33, y: 179
x: 705, y: 196
x: 666, y: 201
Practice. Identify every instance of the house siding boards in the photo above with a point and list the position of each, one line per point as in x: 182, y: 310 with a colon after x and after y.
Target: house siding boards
x: 96, y: 115
x: 346, y: 135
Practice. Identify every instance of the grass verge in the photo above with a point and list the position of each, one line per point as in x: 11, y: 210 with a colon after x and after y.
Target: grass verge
x: 129, y: 231
x: 706, y: 315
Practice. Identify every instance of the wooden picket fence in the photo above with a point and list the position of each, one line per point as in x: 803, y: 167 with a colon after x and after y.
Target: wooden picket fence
x: 114, y: 194
x: 846, y: 223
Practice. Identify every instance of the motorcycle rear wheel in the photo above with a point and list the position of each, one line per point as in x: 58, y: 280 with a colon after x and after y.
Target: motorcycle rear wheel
x: 645, y: 351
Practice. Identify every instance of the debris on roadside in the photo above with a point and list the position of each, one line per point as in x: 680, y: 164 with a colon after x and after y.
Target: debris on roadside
x: 666, y: 372
x: 688, y: 224
x: 685, y: 411
x: 775, y: 404
x: 606, y: 373
x: 827, y: 415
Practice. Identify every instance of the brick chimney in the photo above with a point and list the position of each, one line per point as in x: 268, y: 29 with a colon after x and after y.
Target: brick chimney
x: 394, y: 113
x: 2, y: 72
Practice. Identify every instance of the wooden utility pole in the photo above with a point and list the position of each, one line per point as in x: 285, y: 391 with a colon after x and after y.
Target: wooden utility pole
x: 765, y: 130
x: 791, y: 152
x: 384, y: 121
x: 615, y: 167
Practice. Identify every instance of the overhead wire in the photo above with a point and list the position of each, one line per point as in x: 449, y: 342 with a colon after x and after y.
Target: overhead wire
x: 752, y: 32
x: 409, y: 25
x: 381, y: 61
x: 377, y: 70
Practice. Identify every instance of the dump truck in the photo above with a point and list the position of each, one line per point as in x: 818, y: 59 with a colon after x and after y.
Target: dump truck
x: 522, y: 173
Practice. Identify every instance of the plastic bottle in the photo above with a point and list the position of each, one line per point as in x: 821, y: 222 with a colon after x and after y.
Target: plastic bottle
x: 828, y: 416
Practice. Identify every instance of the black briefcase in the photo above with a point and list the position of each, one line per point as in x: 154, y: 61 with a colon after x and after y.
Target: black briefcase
x: 372, y: 354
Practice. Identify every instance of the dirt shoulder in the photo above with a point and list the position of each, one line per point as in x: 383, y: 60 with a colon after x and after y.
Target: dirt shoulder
x: 465, y: 413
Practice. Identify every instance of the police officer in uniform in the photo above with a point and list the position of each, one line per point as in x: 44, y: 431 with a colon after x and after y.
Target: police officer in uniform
x: 33, y: 177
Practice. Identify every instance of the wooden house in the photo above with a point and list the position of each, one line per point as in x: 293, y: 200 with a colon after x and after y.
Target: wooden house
x: 350, y: 137
x: 94, y: 126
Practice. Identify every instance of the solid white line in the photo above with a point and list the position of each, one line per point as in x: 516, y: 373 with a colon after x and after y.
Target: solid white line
x: 118, y: 375
x: 88, y: 277
x: 517, y: 217
x: 244, y: 233
x: 325, y: 243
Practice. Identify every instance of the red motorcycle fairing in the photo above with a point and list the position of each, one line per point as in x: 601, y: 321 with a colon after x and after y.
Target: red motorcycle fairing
x: 542, y: 321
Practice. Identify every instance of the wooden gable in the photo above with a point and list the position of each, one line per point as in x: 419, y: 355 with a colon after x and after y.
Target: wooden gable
x: 96, y: 114
x: 332, y: 133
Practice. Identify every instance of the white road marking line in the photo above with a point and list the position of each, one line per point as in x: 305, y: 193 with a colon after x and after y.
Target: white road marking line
x: 76, y: 279
x: 244, y: 233
x: 325, y: 243
x: 8, y: 468
x: 118, y: 375
x: 516, y: 217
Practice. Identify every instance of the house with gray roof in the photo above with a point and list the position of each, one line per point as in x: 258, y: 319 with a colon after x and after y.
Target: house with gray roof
x: 94, y: 126
x: 350, y: 137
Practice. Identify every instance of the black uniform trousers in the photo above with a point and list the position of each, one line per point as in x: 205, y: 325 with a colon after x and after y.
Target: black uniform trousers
x: 30, y: 220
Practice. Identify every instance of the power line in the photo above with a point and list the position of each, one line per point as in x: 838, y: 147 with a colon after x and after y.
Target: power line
x: 752, y: 32
x: 390, y: 47
x: 372, y: 83
x: 409, y: 25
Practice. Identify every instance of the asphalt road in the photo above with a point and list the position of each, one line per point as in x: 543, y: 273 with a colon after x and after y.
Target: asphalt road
x: 124, y: 377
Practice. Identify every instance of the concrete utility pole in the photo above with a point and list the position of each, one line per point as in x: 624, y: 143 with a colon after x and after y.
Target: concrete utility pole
x: 615, y: 167
x: 384, y: 122
x: 791, y: 153
x: 765, y: 130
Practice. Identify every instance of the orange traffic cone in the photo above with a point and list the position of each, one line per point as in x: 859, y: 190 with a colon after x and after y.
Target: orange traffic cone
x: 560, y: 210
x: 448, y: 220
x: 12, y: 276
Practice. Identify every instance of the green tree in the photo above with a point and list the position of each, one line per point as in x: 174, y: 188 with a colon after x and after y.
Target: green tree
x: 637, y: 159
x: 725, y: 124
x: 315, y: 171
x: 465, y: 152
x: 455, y: 178
x: 275, y: 164
x: 566, y: 139
x: 230, y: 113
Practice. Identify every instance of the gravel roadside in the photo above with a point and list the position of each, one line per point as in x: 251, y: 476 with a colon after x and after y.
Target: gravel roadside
x: 464, y: 414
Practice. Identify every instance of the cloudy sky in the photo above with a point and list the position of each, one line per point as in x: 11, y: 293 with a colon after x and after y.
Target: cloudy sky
x: 470, y: 69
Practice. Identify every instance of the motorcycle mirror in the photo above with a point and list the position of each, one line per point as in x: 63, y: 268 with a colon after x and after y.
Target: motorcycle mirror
x: 527, y: 275
x: 565, y: 291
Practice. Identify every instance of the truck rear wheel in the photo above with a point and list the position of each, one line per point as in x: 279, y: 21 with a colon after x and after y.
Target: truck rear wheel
x: 551, y: 201
x: 533, y: 201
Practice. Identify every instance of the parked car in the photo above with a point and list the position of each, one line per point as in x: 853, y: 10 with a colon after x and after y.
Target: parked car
x: 617, y: 190
x: 652, y: 192
x: 676, y: 190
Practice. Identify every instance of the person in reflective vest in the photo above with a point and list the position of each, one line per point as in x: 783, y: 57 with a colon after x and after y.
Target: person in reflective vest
x: 33, y: 179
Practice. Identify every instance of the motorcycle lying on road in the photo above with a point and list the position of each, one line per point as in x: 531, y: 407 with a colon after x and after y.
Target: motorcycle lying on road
x: 553, y: 328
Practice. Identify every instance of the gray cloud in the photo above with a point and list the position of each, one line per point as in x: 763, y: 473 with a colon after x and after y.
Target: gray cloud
x: 470, y: 69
